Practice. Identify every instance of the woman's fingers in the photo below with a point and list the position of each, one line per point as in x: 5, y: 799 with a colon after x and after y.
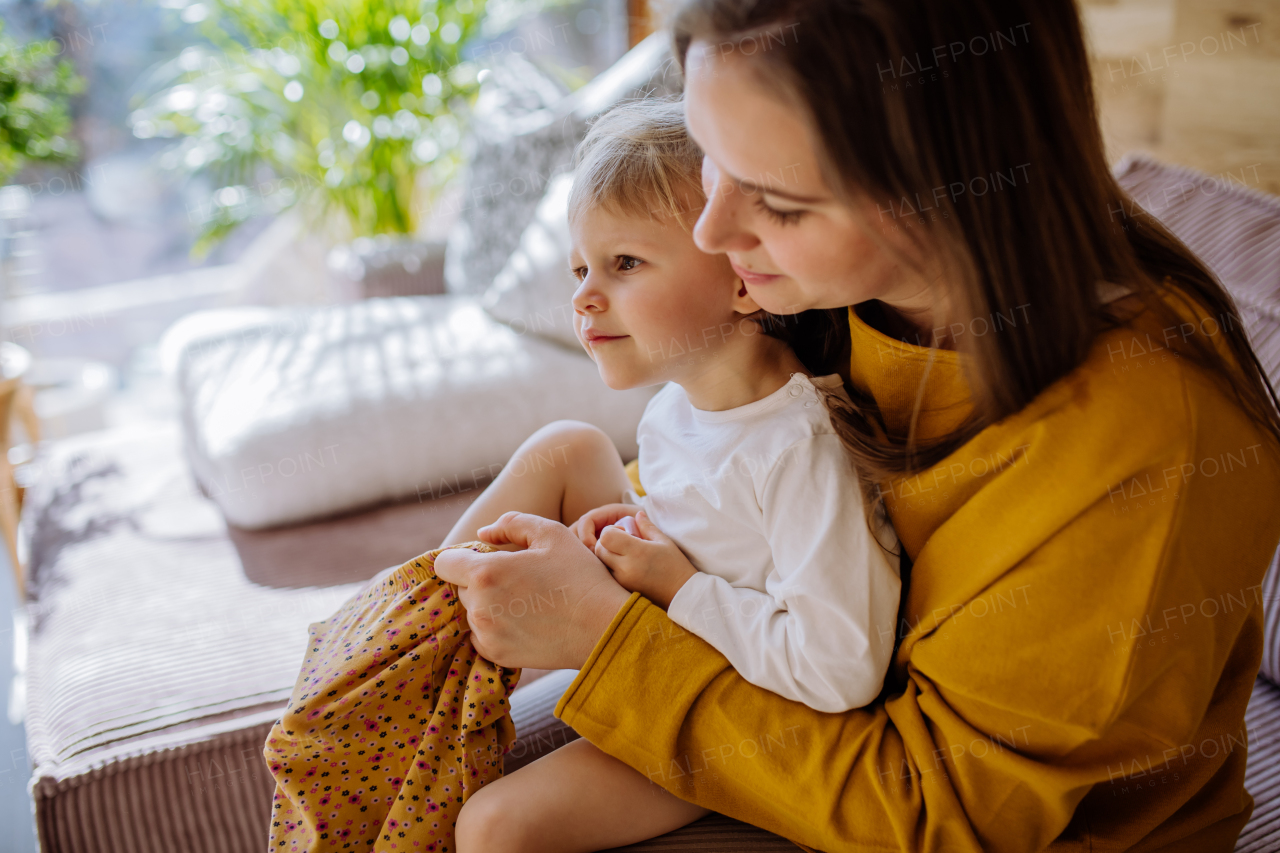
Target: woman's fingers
x: 455, y: 566
x: 544, y: 606
x: 515, y: 528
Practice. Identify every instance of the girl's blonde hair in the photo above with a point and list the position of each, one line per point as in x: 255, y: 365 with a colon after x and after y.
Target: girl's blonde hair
x: 638, y: 159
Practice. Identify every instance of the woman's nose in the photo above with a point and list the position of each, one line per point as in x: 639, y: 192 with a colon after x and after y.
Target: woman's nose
x: 719, y: 228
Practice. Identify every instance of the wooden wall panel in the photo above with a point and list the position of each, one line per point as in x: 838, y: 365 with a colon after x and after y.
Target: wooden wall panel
x: 1195, y: 82
x: 639, y: 20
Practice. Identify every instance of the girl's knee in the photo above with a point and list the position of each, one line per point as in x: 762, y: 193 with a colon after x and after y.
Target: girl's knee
x: 488, y: 822
x: 571, y: 433
x: 560, y: 442
x: 471, y: 834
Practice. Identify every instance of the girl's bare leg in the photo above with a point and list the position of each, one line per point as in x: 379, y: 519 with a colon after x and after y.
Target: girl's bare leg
x: 560, y: 472
x: 575, y: 800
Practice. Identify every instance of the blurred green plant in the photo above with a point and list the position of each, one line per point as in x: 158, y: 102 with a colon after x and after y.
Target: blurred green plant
x: 342, y: 103
x: 34, y: 90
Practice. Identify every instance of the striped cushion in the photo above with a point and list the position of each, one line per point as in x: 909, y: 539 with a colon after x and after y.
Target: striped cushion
x: 1262, y: 776
x: 1271, y: 614
x: 1236, y: 231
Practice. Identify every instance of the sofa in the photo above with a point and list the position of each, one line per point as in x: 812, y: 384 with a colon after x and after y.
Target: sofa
x: 173, y: 569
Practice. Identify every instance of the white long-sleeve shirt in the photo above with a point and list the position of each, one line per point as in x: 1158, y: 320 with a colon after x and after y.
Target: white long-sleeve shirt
x: 793, y: 587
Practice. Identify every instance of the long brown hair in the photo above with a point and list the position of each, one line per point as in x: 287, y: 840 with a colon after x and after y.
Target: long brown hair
x: 913, y: 102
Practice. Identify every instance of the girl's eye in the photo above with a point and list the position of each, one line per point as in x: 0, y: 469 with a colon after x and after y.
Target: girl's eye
x: 578, y: 273
x: 626, y: 263
x: 782, y: 217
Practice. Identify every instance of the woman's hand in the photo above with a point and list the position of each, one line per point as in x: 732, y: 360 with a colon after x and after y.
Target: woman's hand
x: 588, y: 528
x: 544, y: 606
x: 644, y: 559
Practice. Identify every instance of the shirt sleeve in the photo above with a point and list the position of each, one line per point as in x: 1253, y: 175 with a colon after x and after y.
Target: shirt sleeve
x: 822, y: 631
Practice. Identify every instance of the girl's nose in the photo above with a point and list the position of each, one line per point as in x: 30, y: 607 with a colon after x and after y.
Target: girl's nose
x: 719, y: 228
x: 587, y: 299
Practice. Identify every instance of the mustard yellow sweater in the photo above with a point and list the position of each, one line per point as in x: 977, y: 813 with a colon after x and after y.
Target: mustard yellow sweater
x: 1081, y: 635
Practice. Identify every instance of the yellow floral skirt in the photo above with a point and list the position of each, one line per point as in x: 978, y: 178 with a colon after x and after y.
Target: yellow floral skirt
x: 394, y: 723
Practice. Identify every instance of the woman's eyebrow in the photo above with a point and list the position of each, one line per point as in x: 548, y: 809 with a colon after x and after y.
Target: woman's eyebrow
x: 749, y: 187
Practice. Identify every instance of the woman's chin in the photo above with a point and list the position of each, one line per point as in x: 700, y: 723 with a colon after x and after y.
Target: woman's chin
x: 781, y: 298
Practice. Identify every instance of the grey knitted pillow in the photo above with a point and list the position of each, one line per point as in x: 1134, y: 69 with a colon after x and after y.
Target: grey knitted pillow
x: 522, y: 139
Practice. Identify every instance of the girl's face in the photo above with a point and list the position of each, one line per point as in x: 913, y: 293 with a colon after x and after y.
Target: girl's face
x: 768, y: 206
x: 650, y: 305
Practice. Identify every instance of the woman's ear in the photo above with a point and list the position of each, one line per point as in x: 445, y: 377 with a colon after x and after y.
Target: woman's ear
x: 742, y: 301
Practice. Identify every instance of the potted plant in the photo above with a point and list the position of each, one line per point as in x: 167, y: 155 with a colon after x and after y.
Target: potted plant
x: 351, y: 107
x: 35, y: 87
x: 35, y: 127
x: 34, y: 119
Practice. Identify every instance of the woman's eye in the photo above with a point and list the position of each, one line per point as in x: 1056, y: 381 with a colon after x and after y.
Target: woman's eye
x: 627, y: 263
x: 782, y: 217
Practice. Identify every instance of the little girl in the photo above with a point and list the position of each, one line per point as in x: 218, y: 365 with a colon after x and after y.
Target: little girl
x: 750, y: 531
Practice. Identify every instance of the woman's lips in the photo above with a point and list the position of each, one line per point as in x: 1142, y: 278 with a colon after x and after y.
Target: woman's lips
x: 753, y: 277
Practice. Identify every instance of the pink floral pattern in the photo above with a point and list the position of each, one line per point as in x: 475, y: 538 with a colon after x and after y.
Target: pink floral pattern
x: 394, y: 722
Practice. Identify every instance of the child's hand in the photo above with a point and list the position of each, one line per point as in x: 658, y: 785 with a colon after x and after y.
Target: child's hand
x: 588, y: 527
x: 643, y: 559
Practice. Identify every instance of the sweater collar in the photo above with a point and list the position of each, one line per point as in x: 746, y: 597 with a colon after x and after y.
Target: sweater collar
x: 894, y: 373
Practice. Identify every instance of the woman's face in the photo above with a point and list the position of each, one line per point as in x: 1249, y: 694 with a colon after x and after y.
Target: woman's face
x: 768, y: 206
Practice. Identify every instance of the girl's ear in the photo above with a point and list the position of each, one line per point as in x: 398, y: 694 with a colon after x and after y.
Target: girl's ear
x: 742, y: 301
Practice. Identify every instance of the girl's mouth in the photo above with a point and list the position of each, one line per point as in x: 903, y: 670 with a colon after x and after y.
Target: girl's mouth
x: 593, y: 337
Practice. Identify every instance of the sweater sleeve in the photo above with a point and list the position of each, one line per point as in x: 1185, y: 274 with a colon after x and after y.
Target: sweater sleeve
x: 822, y: 631
x: 1079, y: 632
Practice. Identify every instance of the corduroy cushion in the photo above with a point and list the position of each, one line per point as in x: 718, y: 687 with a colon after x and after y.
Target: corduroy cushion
x: 1262, y: 775
x: 1236, y: 231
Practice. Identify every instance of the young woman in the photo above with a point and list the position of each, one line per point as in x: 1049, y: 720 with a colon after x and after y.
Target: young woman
x: 1072, y: 437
